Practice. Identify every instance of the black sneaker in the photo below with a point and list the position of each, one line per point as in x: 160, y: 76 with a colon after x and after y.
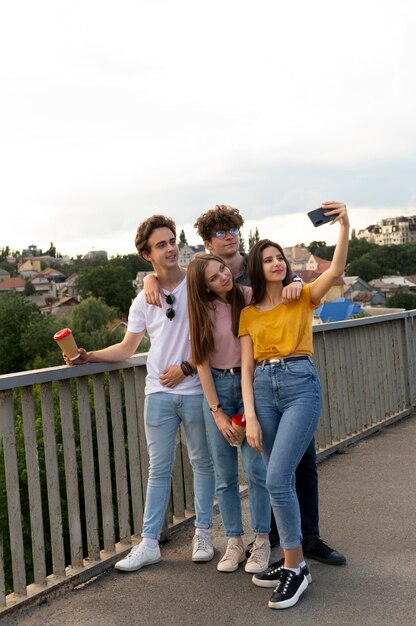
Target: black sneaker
x: 290, y: 587
x: 274, y: 542
x: 316, y: 548
x: 270, y: 577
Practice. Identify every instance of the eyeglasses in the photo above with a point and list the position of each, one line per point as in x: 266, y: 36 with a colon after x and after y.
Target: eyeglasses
x: 170, y: 312
x: 221, y: 233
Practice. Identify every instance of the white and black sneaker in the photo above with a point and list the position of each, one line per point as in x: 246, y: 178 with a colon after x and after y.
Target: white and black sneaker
x: 270, y: 577
x: 288, y: 589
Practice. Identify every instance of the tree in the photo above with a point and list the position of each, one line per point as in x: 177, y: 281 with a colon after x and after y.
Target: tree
x: 253, y: 239
x: 90, y: 323
x: 319, y: 248
x: 364, y: 267
x: 26, y: 337
x: 242, y: 245
x: 402, y: 300
x: 51, y: 251
x: 112, y: 283
x: 182, y: 239
x: 29, y: 288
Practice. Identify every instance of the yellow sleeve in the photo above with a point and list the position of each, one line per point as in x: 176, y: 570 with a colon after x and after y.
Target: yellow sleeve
x: 242, y: 329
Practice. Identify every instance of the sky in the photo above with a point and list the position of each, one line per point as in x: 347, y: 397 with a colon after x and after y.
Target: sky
x: 113, y: 111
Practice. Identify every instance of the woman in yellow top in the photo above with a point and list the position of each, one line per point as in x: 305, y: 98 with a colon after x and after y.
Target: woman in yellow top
x: 281, y: 388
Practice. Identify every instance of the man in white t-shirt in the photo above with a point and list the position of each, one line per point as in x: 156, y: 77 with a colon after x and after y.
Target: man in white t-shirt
x: 173, y: 394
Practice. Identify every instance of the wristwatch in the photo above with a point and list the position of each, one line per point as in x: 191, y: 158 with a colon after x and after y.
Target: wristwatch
x: 214, y: 408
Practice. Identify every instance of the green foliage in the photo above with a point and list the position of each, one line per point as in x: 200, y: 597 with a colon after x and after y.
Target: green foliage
x: 364, y: 267
x: 89, y: 322
x: 29, y: 288
x: 402, y: 300
x: 26, y: 335
x: 242, y: 245
x: 112, y: 283
x: 182, y: 239
x: 253, y: 239
x: 319, y: 248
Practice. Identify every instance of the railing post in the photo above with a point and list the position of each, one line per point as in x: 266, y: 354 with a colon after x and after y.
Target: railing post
x: 7, y: 431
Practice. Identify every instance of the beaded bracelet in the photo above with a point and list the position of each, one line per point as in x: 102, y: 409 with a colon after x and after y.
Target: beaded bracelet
x: 187, y: 368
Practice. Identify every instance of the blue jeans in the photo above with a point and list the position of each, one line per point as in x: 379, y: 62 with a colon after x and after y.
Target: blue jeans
x: 288, y: 406
x: 225, y: 459
x: 163, y: 414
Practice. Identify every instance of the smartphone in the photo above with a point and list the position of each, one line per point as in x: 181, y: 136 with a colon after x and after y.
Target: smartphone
x: 318, y: 218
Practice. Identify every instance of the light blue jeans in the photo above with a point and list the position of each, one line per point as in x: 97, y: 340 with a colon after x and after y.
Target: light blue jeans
x: 225, y: 459
x: 163, y: 414
x: 288, y: 405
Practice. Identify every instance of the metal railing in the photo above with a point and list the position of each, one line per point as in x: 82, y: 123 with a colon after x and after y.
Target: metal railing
x: 74, y: 460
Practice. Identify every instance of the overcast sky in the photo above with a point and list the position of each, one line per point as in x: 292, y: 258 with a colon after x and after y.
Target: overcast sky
x: 112, y: 111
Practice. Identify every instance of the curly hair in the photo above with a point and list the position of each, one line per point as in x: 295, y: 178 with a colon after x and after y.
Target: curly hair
x: 221, y: 216
x: 146, y: 228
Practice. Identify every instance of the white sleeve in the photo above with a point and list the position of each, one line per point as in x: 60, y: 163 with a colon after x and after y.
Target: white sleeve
x: 137, y: 314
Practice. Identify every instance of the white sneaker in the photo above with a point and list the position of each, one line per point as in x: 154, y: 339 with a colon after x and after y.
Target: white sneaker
x: 138, y: 557
x: 234, y: 555
x: 202, y: 549
x: 259, y: 558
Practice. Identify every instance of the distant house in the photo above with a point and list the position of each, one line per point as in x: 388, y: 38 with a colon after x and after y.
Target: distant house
x: 187, y: 253
x: 336, y: 291
x: 63, y: 307
x: 43, y: 285
x: 29, y: 268
x: 96, y: 254
x: 12, y: 284
x: 3, y: 274
x: 53, y: 275
x: 297, y: 257
x: 317, y: 264
x: 336, y: 311
x: 388, y: 285
x: 358, y: 290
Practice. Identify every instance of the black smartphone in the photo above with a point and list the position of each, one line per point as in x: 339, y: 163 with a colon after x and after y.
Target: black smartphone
x: 318, y: 218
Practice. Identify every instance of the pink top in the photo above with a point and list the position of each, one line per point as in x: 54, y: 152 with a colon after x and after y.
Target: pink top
x: 227, y: 351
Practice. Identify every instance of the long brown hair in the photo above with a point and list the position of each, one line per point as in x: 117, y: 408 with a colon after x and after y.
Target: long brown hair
x: 255, y: 269
x: 200, y: 300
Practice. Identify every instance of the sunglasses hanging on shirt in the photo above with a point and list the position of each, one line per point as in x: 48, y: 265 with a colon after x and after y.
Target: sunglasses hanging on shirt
x: 170, y: 312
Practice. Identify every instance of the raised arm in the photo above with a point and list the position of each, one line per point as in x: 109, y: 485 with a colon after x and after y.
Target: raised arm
x: 254, y: 435
x: 324, y: 282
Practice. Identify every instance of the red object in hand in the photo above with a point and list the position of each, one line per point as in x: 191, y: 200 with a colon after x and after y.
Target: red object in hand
x: 239, y: 419
x: 238, y: 422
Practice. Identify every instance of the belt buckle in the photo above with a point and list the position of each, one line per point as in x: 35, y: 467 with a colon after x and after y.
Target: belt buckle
x: 274, y: 361
x: 232, y: 371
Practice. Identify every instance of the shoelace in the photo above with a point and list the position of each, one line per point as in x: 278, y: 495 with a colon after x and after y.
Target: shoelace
x: 284, y: 581
x: 133, y: 551
x: 258, y: 553
x: 201, y: 543
x: 324, y: 548
x: 229, y: 551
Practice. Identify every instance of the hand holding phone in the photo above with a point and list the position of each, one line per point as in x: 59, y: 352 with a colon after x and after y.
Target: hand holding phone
x: 318, y: 218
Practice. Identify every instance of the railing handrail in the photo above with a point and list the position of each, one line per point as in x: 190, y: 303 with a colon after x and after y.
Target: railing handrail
x: 63, y: 372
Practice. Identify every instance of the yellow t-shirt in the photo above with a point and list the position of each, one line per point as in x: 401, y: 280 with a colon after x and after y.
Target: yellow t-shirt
x: 284, y: 330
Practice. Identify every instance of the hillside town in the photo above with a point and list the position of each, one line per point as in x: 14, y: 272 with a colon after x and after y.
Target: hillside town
x: 55, y: 293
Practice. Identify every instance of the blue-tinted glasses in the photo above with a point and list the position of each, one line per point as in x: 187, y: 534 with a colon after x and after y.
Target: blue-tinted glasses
x: 221, y: 233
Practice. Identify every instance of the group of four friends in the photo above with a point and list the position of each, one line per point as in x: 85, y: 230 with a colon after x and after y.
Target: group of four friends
x: 232, y: 334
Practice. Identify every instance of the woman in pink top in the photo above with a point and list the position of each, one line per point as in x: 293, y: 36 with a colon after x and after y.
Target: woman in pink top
x: 214, y: 303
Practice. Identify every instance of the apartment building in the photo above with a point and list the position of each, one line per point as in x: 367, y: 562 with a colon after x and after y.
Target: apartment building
x: 392, y: 230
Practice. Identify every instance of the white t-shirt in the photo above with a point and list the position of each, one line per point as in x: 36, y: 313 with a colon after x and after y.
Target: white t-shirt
x: 170, y: 344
